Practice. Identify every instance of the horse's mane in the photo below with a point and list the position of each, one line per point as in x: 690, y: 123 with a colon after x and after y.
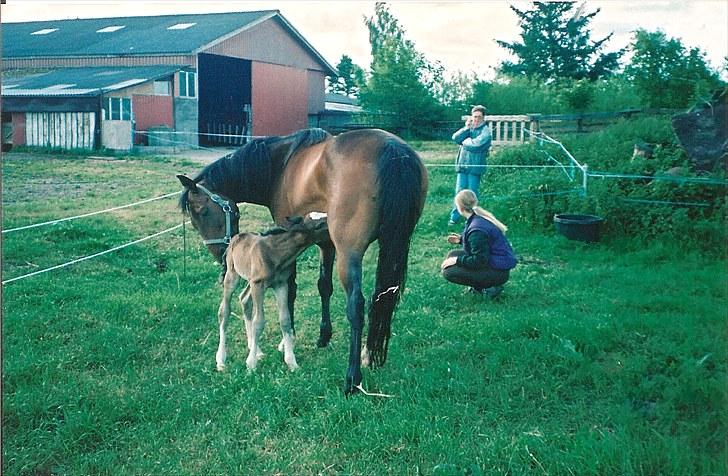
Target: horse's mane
x: 278, y: 230
x: 304, y: 138
x: 246, y: 174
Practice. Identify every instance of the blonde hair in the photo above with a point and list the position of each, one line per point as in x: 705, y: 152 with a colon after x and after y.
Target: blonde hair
x: 467, y: 200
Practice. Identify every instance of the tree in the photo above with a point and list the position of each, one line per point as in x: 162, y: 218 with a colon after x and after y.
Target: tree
x: 455, y: 94
x: 402, y: 81
x: 556, y: 43
x: 350, y: 80
x: 665, y: 74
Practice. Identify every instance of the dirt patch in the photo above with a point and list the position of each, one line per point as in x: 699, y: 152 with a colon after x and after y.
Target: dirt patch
x: 69, y: 177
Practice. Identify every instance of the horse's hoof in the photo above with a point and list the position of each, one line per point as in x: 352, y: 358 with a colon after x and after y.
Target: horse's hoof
x: 323, y: 340
x: 350, y: 390
x: 350, y: 387
x: 220, y: 367
x: 293, y: 367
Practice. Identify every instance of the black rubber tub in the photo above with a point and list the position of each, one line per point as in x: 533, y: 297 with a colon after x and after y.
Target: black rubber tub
x: 585, y: 228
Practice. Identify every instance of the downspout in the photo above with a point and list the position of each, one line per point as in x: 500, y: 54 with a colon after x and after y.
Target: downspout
x: 99, y: 115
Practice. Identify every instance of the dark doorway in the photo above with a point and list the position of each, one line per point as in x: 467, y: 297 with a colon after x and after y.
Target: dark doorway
x: 224, y: 100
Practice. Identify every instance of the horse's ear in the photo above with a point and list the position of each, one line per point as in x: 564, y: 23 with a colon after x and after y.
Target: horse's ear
x: 187, y: 182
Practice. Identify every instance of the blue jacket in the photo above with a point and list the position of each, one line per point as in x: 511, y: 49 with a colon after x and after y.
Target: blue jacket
x: 474, y: 147
x: 485, y: 246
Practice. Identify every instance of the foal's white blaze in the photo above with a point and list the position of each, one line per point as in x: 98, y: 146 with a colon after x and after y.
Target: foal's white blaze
x: 317, y: 215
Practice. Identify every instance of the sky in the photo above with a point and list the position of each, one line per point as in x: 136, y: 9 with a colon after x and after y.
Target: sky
x: 460, y: 35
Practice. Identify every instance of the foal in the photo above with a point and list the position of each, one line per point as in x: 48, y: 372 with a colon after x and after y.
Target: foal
x: 266, y: 261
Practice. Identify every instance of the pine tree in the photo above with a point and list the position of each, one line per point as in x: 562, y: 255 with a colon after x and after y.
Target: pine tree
x: 350, y: 80
x: 556, y: 44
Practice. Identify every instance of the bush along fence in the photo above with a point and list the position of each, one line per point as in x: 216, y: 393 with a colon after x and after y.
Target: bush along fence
x: 633, y: 204
x: 507, y: 129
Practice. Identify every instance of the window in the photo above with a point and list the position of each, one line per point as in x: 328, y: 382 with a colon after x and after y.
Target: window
x: 162, y: 88
x: 111, y: 29
x: 187, y: 84
x: 44, y: 31
x: 117, y: 109
x: 181, y: 26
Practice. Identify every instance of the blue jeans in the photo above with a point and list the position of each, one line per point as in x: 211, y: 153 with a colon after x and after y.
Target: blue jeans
x: 465, y: 180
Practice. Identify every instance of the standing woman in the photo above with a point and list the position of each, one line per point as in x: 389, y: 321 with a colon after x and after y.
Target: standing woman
x: 486, y: 257
x: 474, y: 139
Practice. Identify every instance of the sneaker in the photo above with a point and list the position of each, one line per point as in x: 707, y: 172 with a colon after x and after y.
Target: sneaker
x: 493, y: 292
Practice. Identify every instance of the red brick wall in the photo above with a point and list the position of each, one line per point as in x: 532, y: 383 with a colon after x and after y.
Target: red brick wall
x: 280, y: 99
x: 151, y: 111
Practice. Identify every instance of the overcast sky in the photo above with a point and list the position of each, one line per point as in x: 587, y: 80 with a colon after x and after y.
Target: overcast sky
x: 461, y: 35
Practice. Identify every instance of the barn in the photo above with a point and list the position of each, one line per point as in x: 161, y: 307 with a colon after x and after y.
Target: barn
x: 159, y: 80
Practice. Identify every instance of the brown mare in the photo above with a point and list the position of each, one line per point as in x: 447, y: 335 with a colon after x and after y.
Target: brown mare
x: 266, y: 261
x: 372, y: 186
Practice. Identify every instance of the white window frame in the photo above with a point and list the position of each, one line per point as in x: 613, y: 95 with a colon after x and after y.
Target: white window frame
x: 115, y: 109
x: 187, y: 79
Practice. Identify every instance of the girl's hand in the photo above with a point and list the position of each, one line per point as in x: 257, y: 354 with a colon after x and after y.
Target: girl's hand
x: 451, y: 261
x: 453, y: 239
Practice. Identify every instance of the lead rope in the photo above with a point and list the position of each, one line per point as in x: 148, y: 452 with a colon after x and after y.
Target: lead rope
x: 184, y: 247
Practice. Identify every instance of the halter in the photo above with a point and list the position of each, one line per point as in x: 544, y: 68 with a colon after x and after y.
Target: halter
x: 227, y: 208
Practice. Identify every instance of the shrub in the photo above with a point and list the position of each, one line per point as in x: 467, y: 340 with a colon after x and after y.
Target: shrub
x: 636, y: 205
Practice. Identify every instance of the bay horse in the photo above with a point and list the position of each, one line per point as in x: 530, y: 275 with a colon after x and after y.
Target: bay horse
x: 265, y: 261
x: 372, y: 186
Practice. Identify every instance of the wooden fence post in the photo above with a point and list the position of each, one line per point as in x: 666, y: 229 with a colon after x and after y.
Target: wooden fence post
x: 533, y: 126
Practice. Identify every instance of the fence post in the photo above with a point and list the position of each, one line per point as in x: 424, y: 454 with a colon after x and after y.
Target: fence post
x: 533, y: 126
x: 585, y: 171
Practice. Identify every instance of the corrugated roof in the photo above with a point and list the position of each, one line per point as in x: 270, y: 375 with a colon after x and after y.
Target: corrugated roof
x: 340, y: 98
x: 151, y: 35
x: 83, y: 81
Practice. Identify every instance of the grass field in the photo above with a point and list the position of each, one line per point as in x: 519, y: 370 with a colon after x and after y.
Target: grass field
x: 604, y: 359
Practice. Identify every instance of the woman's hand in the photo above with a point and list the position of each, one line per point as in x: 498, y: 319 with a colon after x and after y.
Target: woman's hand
x: 453, y: 239
x: 451, y: 261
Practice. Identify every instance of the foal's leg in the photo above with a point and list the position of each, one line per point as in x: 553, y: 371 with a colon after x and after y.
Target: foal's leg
x: 291, y: 290
x: 326, y: 289
x: 257, y: 293
x: 247, y: 304
x: 286, y: 328
x: 223, y: 314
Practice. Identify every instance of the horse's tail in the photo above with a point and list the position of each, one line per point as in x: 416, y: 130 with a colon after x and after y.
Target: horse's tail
x: 402, y: 189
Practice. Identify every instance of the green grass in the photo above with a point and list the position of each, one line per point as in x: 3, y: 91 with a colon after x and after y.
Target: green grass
x: 600, y: 359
